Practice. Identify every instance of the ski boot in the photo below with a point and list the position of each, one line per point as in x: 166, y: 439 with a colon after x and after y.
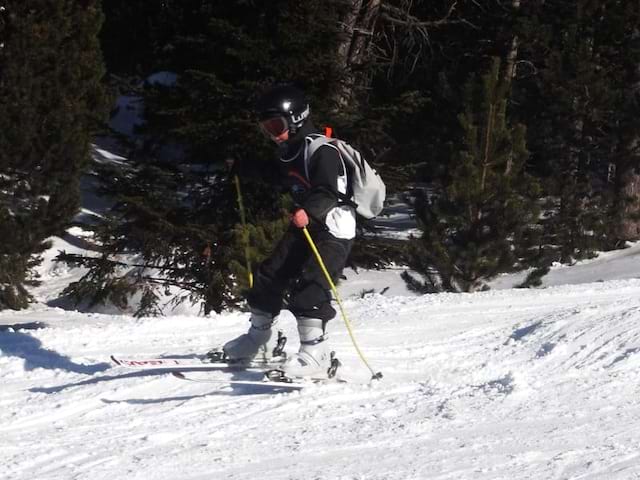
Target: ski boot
x: 259, y: 346
x: 314, y: 359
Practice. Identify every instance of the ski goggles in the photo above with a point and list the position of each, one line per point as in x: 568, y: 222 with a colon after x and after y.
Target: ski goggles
x: 274, y: 126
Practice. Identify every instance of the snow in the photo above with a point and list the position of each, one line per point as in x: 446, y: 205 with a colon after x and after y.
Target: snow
x: 504, y: 384
x: 617, y: 264
x: 129, y: 109
x: 397, y: 220
x: 127, y: 116
x: 165, y: 79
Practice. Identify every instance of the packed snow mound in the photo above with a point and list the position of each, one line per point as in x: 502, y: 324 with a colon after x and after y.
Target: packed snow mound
x: 508, y: 384
x: 612, y: 265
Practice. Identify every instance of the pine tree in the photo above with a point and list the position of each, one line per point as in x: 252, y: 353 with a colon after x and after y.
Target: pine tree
x: 179, y: 213
x: 619, y: 46
x: 480, y: 222
x: 136, y: 31
x: 578, y: 96
x: 52, y: 99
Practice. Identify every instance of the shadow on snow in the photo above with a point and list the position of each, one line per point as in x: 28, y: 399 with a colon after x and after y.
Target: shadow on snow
x: 23, y: 345
x: 221, y: 389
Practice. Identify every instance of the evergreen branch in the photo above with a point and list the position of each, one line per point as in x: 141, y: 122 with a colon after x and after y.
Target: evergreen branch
x: 82, y: 260
x: 399, y: 16
x: 175, y: 283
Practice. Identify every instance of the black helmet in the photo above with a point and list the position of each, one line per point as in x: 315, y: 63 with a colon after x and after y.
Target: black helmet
x: 286, y: 102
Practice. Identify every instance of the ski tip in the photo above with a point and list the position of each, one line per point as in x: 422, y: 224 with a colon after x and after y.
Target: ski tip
x: 178, y: 375
x: 115, y: 360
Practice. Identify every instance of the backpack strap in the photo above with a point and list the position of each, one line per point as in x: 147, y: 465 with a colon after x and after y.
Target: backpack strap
x: 314, y: 142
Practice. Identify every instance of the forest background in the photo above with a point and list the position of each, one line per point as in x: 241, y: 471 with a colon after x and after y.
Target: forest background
x: 512, y: 127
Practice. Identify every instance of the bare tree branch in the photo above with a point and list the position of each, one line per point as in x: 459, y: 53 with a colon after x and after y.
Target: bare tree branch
x: 402, y: 17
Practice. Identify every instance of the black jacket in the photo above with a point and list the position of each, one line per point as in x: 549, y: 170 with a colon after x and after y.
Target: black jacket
x: 312, y: 186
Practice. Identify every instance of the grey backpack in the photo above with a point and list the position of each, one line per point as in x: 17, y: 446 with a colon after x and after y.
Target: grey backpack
x: 367, y: 186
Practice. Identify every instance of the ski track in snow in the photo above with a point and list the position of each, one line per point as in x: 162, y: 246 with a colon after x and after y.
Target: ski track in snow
x: 530, y: 384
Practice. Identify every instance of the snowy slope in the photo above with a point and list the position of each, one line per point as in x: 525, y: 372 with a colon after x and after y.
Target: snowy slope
x: 614, y: 265
x: 504, y: 384
x: 535, y: 384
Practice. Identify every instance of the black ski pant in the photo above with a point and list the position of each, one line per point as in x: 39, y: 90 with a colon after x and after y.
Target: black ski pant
x: 292, y: 275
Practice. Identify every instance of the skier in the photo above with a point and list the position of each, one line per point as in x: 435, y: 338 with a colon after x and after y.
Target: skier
x: 318, y: 186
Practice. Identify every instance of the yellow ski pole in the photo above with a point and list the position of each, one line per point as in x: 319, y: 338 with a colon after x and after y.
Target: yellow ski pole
x: 245, y: 232
x: 374, y: 375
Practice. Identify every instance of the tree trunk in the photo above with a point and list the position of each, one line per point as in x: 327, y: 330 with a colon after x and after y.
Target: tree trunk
x: 509, y: 73
x: 630, y: 228
x: 354, y: 52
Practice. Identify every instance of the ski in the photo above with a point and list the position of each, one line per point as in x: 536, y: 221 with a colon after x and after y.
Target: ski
x: 230, y: 382
x: 268, y: 381
x: 179, y: 363
x: 273, y: 375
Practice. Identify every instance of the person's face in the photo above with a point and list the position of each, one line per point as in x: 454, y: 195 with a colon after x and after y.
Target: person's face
x: 283, y: 137
x: 276, y: 128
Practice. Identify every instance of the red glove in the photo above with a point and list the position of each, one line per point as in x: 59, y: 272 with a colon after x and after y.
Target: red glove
x: 300, y: 218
